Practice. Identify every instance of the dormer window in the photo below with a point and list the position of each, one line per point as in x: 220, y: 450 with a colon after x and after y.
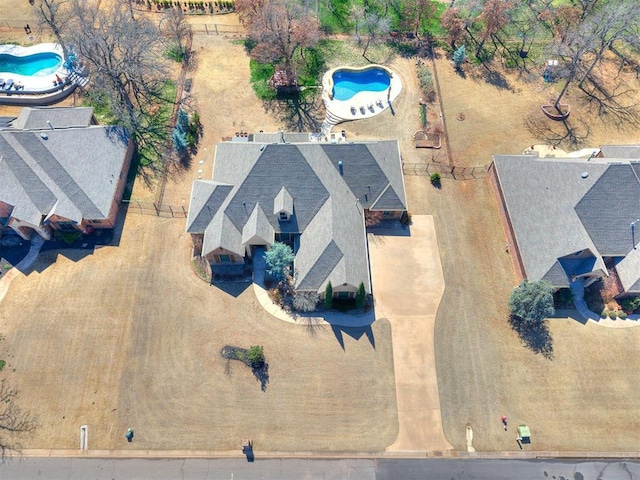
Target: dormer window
x: 283, y: 205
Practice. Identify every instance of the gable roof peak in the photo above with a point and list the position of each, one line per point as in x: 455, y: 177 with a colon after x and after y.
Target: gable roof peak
x: 283, y: 202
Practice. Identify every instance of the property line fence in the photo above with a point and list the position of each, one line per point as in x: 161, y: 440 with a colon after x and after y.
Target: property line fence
x: 446, y: 171
x: 156, y: 209
x: 216, y: 29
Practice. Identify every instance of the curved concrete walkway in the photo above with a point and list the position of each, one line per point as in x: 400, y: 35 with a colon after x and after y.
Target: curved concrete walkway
x: 408, y: 284
x: 577, y: 288
x: 327, y: 318
x: 17, y: 271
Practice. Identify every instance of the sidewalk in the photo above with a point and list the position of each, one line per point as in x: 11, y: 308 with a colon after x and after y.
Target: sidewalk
x: 327, y: 318
x: 16, y: 272
x: 446, y: 454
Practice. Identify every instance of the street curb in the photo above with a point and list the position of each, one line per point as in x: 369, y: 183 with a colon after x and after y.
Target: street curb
x: 211, y: 454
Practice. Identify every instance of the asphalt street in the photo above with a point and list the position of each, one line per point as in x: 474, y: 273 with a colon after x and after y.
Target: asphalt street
x: 309, y: 469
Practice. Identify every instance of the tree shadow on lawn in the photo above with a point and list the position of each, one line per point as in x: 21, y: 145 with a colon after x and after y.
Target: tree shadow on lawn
x: 573, y: 132
x: 260, y: 371
x: 535, y: 336
x: 299, y: 113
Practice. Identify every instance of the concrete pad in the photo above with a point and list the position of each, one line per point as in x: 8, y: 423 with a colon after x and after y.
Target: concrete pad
x: 408, y: 284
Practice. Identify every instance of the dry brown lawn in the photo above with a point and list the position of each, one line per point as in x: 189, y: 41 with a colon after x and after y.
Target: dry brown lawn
x: 129, y: 336
x: 582, y: 398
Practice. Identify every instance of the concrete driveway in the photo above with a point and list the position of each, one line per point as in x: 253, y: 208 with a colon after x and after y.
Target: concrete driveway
x: 408, y: 284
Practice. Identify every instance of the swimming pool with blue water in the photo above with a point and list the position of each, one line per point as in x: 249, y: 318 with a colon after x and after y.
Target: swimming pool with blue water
x: 36, y: 65
x: 348, y: 83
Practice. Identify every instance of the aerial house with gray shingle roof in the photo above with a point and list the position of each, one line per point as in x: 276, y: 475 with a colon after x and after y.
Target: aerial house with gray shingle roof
x: 61, y: 171
x: 572, y: 218
x: 310, y: 195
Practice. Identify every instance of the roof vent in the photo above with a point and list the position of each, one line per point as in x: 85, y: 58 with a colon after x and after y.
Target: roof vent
x: 340, y: 167
x: 584, y: 174
x: 44, y: 136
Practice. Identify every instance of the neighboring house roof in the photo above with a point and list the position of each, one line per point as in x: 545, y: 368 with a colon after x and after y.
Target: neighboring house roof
x: 51, y: 172
x: 36, y: 118
x: 325, y: 204
x: 568, y: 214
x: 631, y: 152
x: 280, y: 137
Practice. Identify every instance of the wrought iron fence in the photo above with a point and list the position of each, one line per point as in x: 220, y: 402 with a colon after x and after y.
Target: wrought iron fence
x: 446, y: 171
x: 157, y: 209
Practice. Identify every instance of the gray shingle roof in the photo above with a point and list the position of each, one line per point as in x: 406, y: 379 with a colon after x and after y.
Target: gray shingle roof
x: 206, y: 198
x: 609, y: 207
x: 330, y: 221
x: 277, y: 166
x: 316, y: 276
x: 35, y: 118
x: 621, y: 151
x: 556, y: 276
x: 388, y: 200
x: 556, y: 213
x: 71, y: 172
x: 540, y: 196
x: 280, y: 137
x: 359, y: 169
x: 283, y: 202
x: 258, y: 229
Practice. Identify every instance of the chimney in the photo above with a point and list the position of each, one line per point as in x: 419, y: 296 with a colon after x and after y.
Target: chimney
x: 340, y: 167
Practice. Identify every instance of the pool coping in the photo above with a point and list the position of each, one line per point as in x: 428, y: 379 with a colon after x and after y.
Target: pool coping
x: 363, y: 104
x: 33, y: 84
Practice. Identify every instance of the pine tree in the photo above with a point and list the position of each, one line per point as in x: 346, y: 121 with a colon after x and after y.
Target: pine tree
x: 179, y: 139
x: 361, y: 296
x: 328, y: 296
x: 459, y: 56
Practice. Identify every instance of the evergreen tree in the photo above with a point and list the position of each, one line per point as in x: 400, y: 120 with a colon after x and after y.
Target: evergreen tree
x: 532, y: 302
x: 278, y: 259
x: 361, y: 296
x: 459, y: 56
x: 328, y: 296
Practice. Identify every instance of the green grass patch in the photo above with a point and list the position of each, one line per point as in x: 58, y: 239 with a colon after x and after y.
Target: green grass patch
x: 69, y: 237
x: 261, y: 73
x: 311, y: 71
x: 2, y: 365
x: 335, y: 16
x: 156, y: 129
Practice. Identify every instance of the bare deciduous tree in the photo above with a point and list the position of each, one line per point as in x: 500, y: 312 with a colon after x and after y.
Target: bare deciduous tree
x: 13, y: 420
x: 374, y: 25
x: 55, y: 15
x: 279, y: 29
x: 453, y: 23
x: 414, y: 12
x: 606, y: 26
x: 176, y: 32
x: 125, y: 58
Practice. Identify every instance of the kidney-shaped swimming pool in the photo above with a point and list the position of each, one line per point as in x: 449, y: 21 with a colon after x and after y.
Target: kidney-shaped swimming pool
x: 347, y: 83
x: 37, y: 64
